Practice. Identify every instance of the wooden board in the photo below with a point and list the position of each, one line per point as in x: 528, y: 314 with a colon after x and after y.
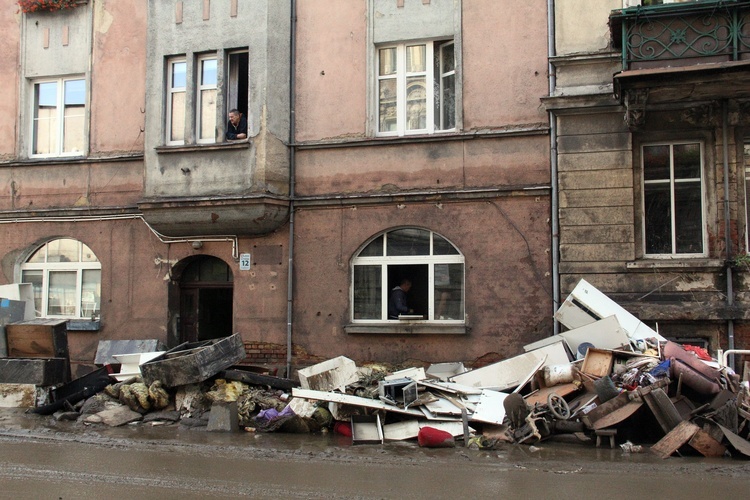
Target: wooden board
x: 675, y: 438
x: 336, y: 397
x: 707, y: 446
x: 541, y: 395
x: 598, y: 362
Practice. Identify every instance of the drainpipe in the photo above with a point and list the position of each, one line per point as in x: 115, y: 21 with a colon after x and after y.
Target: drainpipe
x: 290, y: 264
x: 554, y: 222
x: 727, y: 231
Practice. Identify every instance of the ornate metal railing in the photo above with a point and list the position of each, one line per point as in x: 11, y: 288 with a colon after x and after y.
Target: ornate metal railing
x: 682, y: 33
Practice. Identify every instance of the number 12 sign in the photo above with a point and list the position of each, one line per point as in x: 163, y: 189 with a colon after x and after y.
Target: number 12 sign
x: 244, y: 262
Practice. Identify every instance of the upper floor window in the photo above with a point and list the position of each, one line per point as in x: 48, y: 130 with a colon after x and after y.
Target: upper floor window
x: 206, y: 98
x: 432, y: 266
x: 212, y: 102
x: 66, y: 278
x: 416, y: 88
x: 673, y: 209
x: 176, y: 87
x: 59, y: 123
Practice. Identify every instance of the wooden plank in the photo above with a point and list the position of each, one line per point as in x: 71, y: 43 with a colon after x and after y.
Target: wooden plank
x: 541, y: 395
x: 706, y: 445
x: 663, y: 409
x: 674, y: 439
x: 598, y: 362
x: 619, y: 415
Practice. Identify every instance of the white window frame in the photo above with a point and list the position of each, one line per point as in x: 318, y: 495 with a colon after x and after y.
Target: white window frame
x: 401, y: 78
x: 60, y: 105
x: 170, y: 91
x: 200, y: 88
x: 418, y: 260
x: 50, y: 267
x: 672, y: 181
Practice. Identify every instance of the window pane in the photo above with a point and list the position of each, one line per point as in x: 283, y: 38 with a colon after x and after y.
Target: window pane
x: 62, y: 293
x: 91, y: 294
x: 213, y: 269
x: 449, y: 291
x: 447, y: 57
x: 87, y: 255
x: 687, y: 161
x: 374, y: 249
x: 45, y: 118
x: 416, y: 58
x: 35, y: 278
x: 208, y: 73
x: 655, y: 162
x: 416, y: 103
x: 688, y: 217
x: 39, y: 255
x: 208, y: 114
x: 179, y: 77
x: 387, y: 61
x: 387, y: 112
x: 75, y: 92
x: 177, y: 120
x: 367, y: 292
x: 74, y: 125
x: 408, y: 242
x: 62, y: 250
x: 445, y: 107
x: 658, y: 222
x: 441, y: 246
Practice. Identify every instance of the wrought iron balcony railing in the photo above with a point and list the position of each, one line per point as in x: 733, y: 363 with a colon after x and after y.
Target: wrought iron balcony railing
x: 682, y: 34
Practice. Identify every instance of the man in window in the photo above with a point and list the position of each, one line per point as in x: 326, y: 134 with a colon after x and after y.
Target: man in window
x: 397, y: 303
x: 237, y: 126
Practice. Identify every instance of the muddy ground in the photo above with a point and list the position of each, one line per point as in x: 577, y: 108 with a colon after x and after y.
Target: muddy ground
x: 105, y: 459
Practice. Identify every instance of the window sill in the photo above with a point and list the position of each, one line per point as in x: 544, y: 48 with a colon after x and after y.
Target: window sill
x: 216, y: 146
x: 406, y: 328
x: 675, y: 264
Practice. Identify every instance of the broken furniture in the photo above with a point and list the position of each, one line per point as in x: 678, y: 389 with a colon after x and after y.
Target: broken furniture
x: 193, y: 362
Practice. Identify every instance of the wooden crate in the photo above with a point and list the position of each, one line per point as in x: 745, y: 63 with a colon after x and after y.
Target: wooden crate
x: 38, y: 338
x: 598, y: 362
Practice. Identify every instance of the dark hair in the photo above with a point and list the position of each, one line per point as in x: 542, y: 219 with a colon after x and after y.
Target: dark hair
x: 235, y: 111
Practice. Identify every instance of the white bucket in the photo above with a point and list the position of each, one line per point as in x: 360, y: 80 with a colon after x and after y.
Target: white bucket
x: 558, y: 374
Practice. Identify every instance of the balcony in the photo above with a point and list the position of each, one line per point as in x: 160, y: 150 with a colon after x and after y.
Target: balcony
x: 682, y: 34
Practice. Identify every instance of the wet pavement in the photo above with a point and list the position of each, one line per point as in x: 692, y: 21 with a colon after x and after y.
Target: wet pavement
x: 42, y: 458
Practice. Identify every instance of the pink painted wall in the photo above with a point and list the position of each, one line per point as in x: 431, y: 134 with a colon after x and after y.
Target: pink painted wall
x: 331, y: 69
x: 504, y: 62
x: 9, y: 27
x: 504, y: 242
x: 118, y: 78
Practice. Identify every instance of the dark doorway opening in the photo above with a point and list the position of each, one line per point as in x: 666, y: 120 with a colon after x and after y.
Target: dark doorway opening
x: 418, y: 274
x: 206, y: 300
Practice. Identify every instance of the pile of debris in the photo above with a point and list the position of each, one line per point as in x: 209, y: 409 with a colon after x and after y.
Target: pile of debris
x: 607, y: 378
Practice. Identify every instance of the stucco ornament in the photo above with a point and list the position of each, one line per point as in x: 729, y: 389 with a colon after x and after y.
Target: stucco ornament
x: 48, y: 5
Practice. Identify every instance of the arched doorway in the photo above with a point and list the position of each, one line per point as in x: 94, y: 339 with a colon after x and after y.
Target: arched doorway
x: 206, y: 297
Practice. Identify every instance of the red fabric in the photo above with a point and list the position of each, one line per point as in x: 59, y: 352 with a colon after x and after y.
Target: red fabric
x: 429, y: 437
x: 343, y: 428
x: 698, y: 351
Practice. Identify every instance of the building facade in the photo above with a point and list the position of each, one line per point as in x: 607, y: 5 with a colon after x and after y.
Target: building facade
x: 387, y: 140
x: 649, y: 117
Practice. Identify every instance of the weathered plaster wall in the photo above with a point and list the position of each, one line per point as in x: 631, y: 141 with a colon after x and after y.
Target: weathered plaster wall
x: 504, y: 241
x: 504, y: 62
x: 118, y: 77
x: 9, y: 53
x: 581, y: 26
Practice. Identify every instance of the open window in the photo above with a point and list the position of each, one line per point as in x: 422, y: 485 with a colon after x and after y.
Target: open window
x: 237, y: 82
x: 431, y: 263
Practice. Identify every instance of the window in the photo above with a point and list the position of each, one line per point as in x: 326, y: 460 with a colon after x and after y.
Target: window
x: 59, y: 115
x: 66, y: 277
x: 176, y: 86
x: 416, y: 88
x: 673, y: 199
x: 207, y: 93
x: 432, y: 264
x: 203, y: 83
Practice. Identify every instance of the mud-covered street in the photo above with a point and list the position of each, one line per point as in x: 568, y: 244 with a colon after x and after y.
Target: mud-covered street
x: 45, y: 459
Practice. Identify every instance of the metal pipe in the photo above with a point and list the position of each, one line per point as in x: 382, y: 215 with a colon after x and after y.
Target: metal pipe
x: 554, y: 221
x: 724, y: 355
x: 727, y: 221
x: 292, y: 152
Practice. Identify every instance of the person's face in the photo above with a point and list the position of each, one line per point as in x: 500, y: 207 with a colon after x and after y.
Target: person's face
x: 234, y: 118
x: 406, y: 286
